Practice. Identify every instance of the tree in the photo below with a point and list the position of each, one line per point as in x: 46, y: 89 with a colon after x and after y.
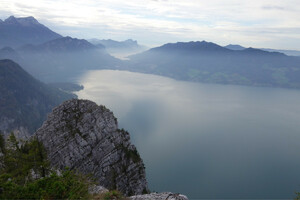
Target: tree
x: 25, y: 161
x: 2, y: 143
x: 26, y: 174
x: 298, y: 196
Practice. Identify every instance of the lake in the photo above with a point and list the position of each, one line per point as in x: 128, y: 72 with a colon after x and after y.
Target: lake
x: 204, y: 140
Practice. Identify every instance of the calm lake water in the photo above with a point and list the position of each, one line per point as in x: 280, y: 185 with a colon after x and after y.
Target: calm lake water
x: 205, y: 140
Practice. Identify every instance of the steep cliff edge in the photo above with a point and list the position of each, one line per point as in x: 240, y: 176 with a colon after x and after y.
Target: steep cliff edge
x: 81, y: 135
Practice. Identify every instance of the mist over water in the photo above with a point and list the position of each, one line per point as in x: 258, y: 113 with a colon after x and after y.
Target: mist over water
x: 205, y: 140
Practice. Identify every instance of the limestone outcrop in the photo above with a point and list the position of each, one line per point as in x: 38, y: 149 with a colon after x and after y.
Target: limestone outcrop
x: 159, y: 196
x: 83, y: 136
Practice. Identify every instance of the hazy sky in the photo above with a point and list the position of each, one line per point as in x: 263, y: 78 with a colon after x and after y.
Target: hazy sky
x: 256, y: 23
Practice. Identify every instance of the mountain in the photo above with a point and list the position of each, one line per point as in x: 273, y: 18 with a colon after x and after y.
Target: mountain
x: 15, y: 32
x: 78, y: 150
x: 211, y: 63
x: 116, y: 44
x: 64, y: 44
x: 9, y: 53
x: 120, y: 49
x: 64, y: 59
x: 24, y: 101
x: 235, y: 47
x: 190, y: 47
x: 81, y: 135
x: 286, y: 52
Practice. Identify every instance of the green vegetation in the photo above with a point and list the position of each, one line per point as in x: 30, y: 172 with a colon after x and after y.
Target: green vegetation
x: 26, y: 174
x: 66, y: 186
x: 133, y: 154
x: 298, y: 196
x: 114, y: 194
x: 129, y: 153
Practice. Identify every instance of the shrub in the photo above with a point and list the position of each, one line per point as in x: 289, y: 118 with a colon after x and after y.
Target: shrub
x: 27, y: 175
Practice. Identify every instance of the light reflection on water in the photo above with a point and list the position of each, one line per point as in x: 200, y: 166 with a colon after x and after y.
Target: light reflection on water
x: 206, y: 141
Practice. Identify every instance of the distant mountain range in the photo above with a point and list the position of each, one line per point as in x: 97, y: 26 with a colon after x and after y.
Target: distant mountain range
x: 116, y: 44
x: 63, y: 44
x: 25, y: 101
x: 235, y: 47
x: 211, y: 63
x: 8, y: 52
x: 58, y: 60
x: 63, y: 59
x: 120, y: 49
x: 47, y: 55
x: 15, y: 32
x: 287, y: 52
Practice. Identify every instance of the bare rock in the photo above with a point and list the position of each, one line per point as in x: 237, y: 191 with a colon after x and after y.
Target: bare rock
x: 81, y: 135
x: 97, y: 189
x: 159, y: 196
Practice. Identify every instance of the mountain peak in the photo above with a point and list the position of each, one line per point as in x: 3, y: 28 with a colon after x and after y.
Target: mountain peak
x: 23, y: 21
x: 11, y: 20
x: 16, y: 32
x: 68, y: 44
x: 131, y: 41
x: 198, y: 46
x: 235, y: 47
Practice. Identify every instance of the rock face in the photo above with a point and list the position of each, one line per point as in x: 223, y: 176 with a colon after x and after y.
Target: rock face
x: 160, y: 196
x: 81, y: 135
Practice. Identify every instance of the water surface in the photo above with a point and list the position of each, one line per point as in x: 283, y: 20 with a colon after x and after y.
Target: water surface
x: 205, y: 140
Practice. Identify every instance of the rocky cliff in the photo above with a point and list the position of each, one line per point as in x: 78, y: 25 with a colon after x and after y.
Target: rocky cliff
x: 81, y: 135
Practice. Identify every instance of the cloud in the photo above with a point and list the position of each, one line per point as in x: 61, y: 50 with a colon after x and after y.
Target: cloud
x: 272, y: 7
x: 155, y: 22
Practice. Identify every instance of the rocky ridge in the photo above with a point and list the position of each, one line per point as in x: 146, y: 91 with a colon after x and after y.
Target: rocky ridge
x: 81, y: 135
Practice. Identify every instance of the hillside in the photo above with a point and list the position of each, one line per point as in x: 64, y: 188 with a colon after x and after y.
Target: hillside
x: 210, y: 63
x: 24, y: 101
x: 8, y: 52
